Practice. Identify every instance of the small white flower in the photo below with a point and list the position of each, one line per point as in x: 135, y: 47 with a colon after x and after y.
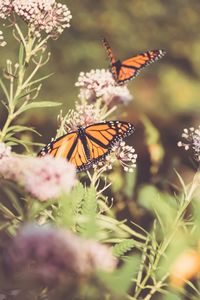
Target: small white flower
x: 192, y: 141
x: 100, y: 84
x: 2, y: 41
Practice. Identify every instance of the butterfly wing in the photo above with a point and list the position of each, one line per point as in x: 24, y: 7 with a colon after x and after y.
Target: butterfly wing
x: 109, y: 51
x: 130, y: 68
x: 92, y: 146
x: 69, y: 147
x: 112, y: 58
x: 101, y: 137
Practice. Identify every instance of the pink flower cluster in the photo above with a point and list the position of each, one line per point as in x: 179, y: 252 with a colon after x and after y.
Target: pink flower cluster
x: 6, y: 8
x: 5, y: 151
x: 41, y: 15
x: 56, y: 255
x: 100, y: 84
x: 82, y: 115
x: 43, y: 178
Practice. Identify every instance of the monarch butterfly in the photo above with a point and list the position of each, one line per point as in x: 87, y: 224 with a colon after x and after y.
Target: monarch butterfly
x: 88, y: 145
x: 129, y: 68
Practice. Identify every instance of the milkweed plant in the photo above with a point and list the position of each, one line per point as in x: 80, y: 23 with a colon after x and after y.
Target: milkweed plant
x: 59, y: 234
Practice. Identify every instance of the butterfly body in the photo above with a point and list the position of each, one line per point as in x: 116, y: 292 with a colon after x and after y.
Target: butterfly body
x: 123, y: 71
x: 88, y: 145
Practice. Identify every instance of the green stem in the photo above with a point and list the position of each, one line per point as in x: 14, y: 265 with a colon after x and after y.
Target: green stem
x: 13, y: 97
x: 169, y: 238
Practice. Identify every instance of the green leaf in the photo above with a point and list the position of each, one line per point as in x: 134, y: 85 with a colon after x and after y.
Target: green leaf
x: 7, y: 212
x: 161, y: 204
x: 34, y: 105
x: 89, y: 227
x: 70, y: 207
x: 130, y: 183
x: 120, y: 280
x: 40, y: 79
x: 13, y: 141
x: 4, y: 89
x: 14, y: 200
x: 20, y: 128
x: 123, y: 247
x: 21, y: 55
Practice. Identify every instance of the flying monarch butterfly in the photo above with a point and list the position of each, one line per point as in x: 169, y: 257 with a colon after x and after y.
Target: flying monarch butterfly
x: 125, y: 70
x: 88, y: 145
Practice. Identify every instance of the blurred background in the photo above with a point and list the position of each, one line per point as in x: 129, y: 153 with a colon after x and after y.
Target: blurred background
x: 166, y: 94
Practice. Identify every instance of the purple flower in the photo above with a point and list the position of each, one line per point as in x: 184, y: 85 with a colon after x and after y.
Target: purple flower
x: 50, y: 255
x: 100, y: 84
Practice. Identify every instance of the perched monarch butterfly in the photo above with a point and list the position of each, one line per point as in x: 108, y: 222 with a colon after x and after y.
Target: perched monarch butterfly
x: 125, y: 70
x: 88, y: 145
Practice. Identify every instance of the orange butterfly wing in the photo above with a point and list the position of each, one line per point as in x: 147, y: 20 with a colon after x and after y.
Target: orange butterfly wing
x: 69, y: 147
x: 129, y: 68
x: 101, y: 137
x: 88, y: 145
x: 109, y: 51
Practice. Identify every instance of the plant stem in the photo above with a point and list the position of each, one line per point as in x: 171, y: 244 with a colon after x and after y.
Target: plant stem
x: 13, y: 97
x: 167, y: 240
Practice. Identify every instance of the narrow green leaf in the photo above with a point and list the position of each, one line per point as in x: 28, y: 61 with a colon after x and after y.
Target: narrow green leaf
x: 13, y: 200
x: 12, y: 140
x: 40, y: 79
x: 20, y: 128
x: 21, y: 55
x: 4, y: 89
x: 37, y: 105
x: 6, y: 212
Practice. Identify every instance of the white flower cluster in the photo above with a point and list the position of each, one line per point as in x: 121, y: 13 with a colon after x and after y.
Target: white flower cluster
x: 83, y: 115
x: 192, y: 141
x: 122, y: 153
x: 100, y: 83
x: 40, y: 15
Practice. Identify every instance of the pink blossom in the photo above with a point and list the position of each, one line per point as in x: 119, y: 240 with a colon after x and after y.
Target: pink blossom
x: 43, y: 15
x: 5, y: 151
x: 100, y: 84
x: 40, y: 15
x: 6, y: 8
x: 47, y: 178
x: 43, y: 178
x: 83, y: 115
